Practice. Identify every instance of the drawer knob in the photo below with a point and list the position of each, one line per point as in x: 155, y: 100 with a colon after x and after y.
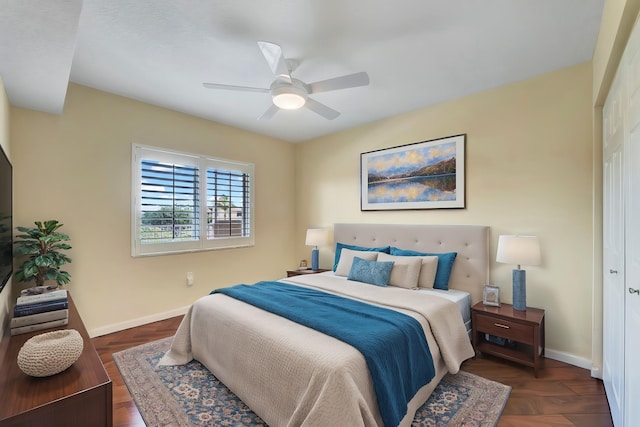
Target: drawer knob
x: 500, y: 325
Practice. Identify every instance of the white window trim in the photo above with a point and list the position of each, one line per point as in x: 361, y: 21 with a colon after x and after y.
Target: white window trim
x: 203, y: 162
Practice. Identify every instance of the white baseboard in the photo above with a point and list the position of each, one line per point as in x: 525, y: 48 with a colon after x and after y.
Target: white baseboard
x: 596, y: 373
x: 571, y: 359
x: 115, y: 327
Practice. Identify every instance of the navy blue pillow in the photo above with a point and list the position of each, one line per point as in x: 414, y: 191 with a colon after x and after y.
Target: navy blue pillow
x: 340, y: 246
x: 445, y: 264
x: 372, y: 272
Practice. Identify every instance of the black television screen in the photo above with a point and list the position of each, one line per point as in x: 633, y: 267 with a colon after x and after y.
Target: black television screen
x: 6, y: 224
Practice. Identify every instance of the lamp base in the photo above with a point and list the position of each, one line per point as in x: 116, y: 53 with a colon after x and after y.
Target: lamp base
x: 520, y: 290
x: 314, y: 259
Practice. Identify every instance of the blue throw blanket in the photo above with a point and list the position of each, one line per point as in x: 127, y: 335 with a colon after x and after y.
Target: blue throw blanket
x: 393, y: 344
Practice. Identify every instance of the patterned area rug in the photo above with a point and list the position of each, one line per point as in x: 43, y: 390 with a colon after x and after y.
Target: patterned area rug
x: 189, y: 395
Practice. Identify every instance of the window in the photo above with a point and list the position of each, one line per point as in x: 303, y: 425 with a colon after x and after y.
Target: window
x: 186, y: 202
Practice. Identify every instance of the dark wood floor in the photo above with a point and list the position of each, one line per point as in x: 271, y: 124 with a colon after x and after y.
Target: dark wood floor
x: 562, y: 395
x: 125, y: 413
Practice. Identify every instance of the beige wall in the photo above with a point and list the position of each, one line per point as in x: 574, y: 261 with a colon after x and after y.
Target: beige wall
x: 6, y: 299
x: 529, y: 170
x: 76, y: 167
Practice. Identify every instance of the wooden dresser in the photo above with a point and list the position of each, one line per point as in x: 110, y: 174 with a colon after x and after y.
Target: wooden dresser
x: 78, y: 396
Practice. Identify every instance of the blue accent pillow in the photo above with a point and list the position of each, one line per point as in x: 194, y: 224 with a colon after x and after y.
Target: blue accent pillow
x: 445, y: 264
x: 340, y: 246
x: 372, y: 272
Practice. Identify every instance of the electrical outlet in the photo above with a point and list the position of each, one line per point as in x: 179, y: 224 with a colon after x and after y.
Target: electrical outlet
x: 189, y: 278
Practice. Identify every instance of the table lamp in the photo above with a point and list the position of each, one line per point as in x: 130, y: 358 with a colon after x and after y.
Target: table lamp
x: 519, y: 250
x: 316, y: 237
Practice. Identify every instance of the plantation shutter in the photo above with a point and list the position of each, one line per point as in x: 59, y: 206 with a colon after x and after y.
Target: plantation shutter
x: 170, y: 202
x: 185, y: 202
x: 227, y: 203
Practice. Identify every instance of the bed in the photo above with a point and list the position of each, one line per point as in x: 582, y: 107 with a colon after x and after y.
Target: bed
x: 292, y: 375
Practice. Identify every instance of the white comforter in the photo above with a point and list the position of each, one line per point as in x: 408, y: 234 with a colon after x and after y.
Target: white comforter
x: 291, y: 375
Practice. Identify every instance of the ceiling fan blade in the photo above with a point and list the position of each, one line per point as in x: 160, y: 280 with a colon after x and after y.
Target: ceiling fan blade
x: 323, y: 110
x: 273, y: 54
x: 343, y: 82
x: 271, y: 111
x: 236, y: 88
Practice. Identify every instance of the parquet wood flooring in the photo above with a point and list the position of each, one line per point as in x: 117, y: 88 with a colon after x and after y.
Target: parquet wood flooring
x: 562, y: 395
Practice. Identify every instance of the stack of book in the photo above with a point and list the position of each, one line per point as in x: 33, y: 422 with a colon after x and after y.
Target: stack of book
x: 42, y: 311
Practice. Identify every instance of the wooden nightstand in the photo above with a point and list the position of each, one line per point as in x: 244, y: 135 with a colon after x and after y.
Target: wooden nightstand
x: 291, y: 273
x: 524, y: 329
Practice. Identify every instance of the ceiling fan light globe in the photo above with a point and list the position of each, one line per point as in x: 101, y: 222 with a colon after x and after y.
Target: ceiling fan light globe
x: 288, y: 97
x: 289, y: 101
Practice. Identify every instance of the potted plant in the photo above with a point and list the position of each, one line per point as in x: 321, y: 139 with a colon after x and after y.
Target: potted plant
x: 42, y: 246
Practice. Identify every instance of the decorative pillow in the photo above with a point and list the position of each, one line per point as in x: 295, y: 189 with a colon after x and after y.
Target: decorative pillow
x: 428, y: 271
x: 372, y: 272
x: 346, y: 259
x: 406, y: 270
x: 445, y: 264
x: 340, y: 246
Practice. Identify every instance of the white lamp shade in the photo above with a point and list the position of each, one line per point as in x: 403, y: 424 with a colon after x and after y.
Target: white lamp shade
x: 520, y: 250
x: 316, y: 237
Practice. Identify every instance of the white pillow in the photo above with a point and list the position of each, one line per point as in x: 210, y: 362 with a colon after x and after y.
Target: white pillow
x: 346, y: 259
x: 428, y: 271
x: 406, y: 270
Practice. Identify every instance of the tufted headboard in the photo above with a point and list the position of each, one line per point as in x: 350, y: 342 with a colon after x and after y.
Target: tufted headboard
x: 471, y: 269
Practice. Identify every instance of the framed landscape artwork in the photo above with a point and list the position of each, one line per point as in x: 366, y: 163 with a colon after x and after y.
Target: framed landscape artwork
x: 423, y: 175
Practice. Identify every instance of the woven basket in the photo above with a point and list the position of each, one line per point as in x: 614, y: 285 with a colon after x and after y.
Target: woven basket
x: 50, y: 353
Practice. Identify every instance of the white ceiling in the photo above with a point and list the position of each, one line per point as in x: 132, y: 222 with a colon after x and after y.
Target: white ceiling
x: 417, y: 52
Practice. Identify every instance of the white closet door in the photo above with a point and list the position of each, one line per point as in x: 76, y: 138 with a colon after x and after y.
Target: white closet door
x: 632, y: 194
x: 613, y: 252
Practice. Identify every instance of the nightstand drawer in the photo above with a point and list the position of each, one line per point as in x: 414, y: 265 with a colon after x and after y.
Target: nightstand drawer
x: 505, y: 329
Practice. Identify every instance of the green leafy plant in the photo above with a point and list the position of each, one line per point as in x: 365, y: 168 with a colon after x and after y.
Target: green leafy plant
x: 42, y: 245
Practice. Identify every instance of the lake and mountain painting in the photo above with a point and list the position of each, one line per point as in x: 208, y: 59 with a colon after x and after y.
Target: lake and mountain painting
x: 424, y: 175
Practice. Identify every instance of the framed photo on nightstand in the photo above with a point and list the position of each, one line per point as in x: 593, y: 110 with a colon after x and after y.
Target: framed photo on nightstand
x: 491, y: 295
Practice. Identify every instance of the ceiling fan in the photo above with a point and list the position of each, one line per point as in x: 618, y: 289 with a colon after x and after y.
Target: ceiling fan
x: 289, y: 93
